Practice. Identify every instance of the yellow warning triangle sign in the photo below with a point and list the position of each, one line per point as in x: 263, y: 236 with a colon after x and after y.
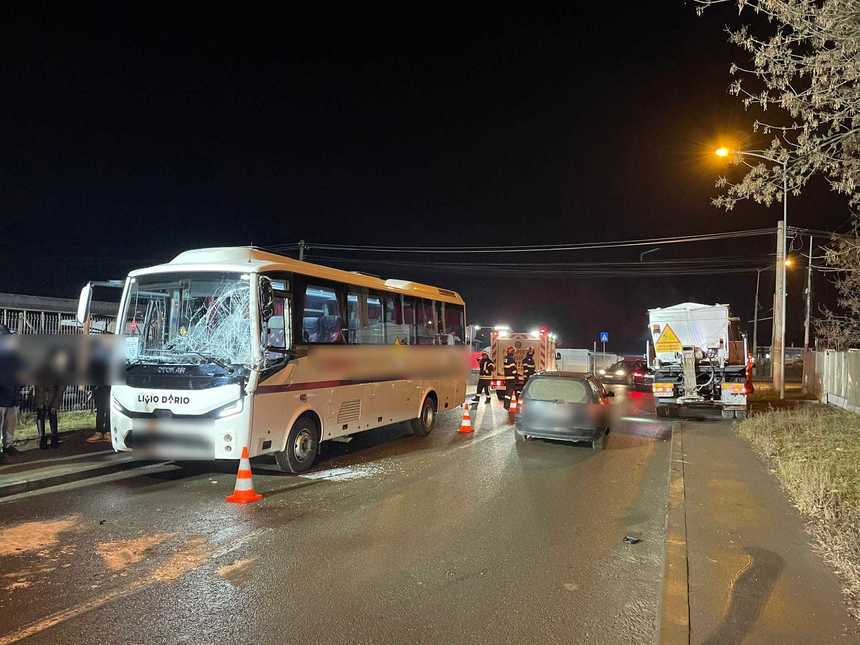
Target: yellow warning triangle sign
x: 668, y: 341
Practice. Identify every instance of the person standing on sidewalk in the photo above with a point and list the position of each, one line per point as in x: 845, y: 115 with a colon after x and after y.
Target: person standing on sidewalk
x: 48, y: 397
x: 9, y: 389
x: 101, y: 396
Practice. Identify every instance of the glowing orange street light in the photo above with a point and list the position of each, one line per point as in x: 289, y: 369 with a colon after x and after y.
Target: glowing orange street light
x: 723, y: 151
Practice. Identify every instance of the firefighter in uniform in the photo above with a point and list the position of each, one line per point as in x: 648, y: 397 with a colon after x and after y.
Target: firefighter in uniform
x: 528, y: 365
x: 486, y: 367
x: 510, y: 368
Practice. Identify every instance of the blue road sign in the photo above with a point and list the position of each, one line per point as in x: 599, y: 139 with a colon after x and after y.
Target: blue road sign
x: 604, y: 337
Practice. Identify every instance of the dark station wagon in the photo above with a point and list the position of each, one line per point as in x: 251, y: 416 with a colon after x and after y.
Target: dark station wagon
x: 565, y: 406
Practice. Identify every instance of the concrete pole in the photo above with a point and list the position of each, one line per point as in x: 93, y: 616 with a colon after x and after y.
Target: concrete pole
x: 783, y: 268
x: 755, y: 316
x: 808, y: 297
x: 777, y: 352
x: 301, y: 249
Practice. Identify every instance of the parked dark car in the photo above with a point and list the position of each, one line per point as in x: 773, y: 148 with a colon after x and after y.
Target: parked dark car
x: 565, y: 406
x: 643, y: 379
x: 620, y: 373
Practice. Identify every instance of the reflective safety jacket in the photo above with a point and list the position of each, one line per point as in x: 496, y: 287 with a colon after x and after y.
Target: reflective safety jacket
x: 510, y: 367
x: 486, y: 367
x: 528, y: 365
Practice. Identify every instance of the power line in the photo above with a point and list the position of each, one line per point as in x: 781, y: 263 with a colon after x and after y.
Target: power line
x: 597, y: 270
x: 538, y: 248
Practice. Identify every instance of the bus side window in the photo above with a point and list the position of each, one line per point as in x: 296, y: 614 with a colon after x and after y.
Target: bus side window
x: 440, y: 324
x: 408, y: 320
x: 455, y: 324
x: 425, y: 324
x: 364, y: 317
x: 396, y: 332
x: 321, y: 319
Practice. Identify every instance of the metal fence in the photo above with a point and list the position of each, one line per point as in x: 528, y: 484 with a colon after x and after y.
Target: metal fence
x: 833, y: 377
x: 763, y: 366
x: 46, y: 322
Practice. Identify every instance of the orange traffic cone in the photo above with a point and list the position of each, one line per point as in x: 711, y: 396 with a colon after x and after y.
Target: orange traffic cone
x: 244, y: 492
x: 512, y: 409
x: 466, y: 425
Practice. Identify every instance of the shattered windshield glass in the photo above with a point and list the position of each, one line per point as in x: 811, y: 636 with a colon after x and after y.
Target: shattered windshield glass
x: 201, y: 317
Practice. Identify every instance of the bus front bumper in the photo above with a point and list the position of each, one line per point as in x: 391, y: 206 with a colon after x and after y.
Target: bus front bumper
x: 185, y: 438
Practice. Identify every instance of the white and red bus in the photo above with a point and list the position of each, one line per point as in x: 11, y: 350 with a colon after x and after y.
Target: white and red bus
x: 227, y: 348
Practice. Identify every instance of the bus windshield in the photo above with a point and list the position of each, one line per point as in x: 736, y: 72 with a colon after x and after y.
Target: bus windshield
x: 198, y: 317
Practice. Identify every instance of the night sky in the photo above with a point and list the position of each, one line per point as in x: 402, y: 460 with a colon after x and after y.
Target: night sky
x: 130, y: 136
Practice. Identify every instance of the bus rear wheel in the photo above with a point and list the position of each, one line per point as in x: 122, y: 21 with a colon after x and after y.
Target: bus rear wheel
x: 424, y: 423
x: 302, y: 448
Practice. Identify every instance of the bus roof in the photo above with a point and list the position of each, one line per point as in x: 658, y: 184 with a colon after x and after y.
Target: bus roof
x: 248, y: 259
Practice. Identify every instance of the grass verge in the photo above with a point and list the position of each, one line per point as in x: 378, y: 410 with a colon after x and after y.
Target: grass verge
x: 66, y: 422
x: 814, y: 451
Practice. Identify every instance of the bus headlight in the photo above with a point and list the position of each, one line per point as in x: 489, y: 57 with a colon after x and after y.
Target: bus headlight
x: 116, y: 406
x: 229, y: 410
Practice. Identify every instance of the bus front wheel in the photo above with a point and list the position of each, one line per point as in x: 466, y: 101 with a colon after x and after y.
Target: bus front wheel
x: 424, y: 423
x: 302, y: 448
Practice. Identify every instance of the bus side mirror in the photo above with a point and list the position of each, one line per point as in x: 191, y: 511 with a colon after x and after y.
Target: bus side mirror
x: 84, y: 302
x: 267, y: 299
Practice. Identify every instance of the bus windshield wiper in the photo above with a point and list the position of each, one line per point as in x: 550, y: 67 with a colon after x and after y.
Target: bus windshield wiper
x: 212, y: 359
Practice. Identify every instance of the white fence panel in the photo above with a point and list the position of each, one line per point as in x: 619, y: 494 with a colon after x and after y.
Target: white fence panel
x: 833, y: 377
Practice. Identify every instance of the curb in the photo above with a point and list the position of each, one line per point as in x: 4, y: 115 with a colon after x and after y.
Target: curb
x: 25, y: 484
x: 673, y: 618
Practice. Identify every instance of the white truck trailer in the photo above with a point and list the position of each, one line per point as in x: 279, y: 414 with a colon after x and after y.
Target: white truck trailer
x: 583, y: 360
x: 699, y: 359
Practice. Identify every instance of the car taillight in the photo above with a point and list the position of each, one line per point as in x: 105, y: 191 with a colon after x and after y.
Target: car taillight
x: 637, y: 373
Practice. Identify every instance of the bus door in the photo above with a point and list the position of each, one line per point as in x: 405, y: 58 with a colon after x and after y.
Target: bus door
x: 273, y: 401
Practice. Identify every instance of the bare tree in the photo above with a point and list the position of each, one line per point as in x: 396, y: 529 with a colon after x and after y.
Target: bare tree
x: 841, y: 329
x: 803, y: 77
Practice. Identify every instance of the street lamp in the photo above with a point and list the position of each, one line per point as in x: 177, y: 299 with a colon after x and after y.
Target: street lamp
x: 723, y: 151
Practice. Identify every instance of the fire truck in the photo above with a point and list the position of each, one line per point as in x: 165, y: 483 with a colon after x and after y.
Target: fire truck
x: 543, y: 342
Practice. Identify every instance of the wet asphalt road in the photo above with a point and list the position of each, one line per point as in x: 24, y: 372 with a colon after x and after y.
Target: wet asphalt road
x: 394, y: 539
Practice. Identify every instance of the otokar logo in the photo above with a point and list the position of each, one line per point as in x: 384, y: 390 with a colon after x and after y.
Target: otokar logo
x: 168, y: 399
